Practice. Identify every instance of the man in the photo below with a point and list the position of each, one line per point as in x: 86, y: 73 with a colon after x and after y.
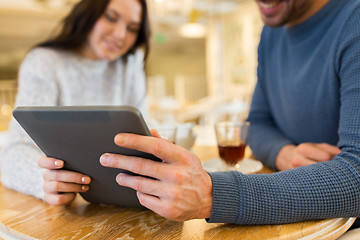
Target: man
x: 291, y: 107
x: 306, y: 102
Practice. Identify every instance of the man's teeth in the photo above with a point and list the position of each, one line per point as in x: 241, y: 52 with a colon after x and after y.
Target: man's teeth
x: 268, y: 4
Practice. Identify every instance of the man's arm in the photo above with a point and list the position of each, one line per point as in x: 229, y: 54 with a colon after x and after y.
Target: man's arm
x: 182, y: 190
x: 265, y: 138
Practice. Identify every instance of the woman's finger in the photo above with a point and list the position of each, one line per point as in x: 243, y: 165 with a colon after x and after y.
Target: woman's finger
x: 50, y: 163
x: 59, y: 199
x: 63, y: 187
x: 66, y: 176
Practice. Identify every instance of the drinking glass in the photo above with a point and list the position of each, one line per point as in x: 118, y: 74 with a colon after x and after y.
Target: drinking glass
x: 231, y: 140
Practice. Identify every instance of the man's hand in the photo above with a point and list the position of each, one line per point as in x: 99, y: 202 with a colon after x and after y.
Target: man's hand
x: 181, y: 190
x: 304, y: 154
x: 61, y: 186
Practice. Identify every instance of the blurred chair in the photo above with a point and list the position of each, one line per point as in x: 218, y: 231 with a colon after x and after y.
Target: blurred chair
x: 8, y: 91
x: 156, y: 88
x: 226, y: 110
x: 160, y: 105
x: 189, y: 89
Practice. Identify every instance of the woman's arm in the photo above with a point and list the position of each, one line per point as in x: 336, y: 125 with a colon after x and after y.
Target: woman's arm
x: 37, y: 86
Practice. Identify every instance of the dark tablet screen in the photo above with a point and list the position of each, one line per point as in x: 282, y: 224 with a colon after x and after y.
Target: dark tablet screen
x: 79, y: 135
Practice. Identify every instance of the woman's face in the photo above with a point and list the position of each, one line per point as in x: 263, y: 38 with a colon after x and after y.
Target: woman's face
x: 115, y: 32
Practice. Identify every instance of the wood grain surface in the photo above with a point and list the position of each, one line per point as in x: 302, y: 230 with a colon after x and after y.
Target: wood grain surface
x: 24, y: 217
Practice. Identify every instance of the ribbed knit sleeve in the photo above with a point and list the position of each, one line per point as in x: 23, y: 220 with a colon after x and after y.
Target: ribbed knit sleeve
x: 320, y: 191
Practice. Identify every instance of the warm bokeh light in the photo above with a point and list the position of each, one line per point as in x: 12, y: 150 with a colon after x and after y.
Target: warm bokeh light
x: 193, y: 30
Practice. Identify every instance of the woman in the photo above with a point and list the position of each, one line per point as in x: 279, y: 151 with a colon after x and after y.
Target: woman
x: 94, y: 60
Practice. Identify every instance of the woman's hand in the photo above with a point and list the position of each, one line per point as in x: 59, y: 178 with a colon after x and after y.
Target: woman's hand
x: 181, y: 190
x: 61, y: 186
x: 291, y: 156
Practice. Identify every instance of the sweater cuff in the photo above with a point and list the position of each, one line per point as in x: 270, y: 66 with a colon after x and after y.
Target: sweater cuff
x: 225, y: 208
x: 274, y: 152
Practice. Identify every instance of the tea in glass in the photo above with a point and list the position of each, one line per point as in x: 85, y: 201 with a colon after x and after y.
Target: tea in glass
x: 231, y: 139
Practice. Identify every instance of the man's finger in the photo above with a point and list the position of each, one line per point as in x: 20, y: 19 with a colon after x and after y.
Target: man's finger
x: 136, y: 165
x: 142, y: 184
x: 151, y: 202
x: 311, y: 151
x: 159, y: 206
x: 301, y: 161
x: 161, y: 148
x: 155, y: 133
x: 333, y: 150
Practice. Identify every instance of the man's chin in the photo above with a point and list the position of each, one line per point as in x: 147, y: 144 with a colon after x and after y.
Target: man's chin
x: 273, y: 21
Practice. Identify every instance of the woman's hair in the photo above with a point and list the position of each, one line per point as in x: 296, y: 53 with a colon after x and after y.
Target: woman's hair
x: 80, y: 21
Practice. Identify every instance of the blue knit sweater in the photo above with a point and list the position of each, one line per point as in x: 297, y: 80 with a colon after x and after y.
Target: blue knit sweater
x: 308, y: 90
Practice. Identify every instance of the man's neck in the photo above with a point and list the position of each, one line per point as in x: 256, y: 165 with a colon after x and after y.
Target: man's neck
x: 316, y: 7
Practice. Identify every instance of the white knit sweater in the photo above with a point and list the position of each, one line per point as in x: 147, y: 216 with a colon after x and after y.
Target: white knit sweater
x: 50, y: 77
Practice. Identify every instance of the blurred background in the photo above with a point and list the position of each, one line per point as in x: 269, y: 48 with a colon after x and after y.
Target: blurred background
x: 202, y: 64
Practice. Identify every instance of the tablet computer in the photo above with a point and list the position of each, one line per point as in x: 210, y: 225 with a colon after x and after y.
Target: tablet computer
x: 79, y: 135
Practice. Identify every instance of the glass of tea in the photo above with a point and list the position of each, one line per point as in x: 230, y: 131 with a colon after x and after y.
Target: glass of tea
x: 231, y: 140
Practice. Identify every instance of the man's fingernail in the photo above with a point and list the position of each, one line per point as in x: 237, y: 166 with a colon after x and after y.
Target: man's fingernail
x: 84, y: 187
x: 119, y: 178
x: 58, y: 163
x: 120, y: 138
x: 104, y: 159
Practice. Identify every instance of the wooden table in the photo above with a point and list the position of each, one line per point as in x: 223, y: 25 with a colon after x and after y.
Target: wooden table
x: 24, y: 217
